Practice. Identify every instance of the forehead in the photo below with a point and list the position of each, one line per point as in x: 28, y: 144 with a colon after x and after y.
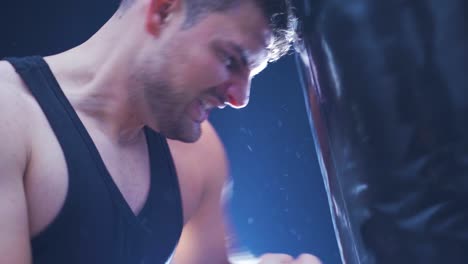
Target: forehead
x: 251, y: 21
x: 244, y: 25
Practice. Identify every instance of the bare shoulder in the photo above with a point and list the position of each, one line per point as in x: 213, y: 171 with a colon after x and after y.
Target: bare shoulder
x: 207, y: 156
x: 14, y: 113
x: 8, y: 75
x: 215, y: 161
x: 13, y: 91
x: 14, y: 110
x: 210, y: 146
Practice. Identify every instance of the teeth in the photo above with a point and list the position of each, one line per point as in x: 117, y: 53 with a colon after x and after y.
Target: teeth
x: 206, y: 105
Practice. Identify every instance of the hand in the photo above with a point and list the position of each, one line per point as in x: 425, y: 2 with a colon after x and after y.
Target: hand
x: 286, y: 259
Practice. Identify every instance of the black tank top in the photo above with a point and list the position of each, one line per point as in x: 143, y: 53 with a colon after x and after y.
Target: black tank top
x: 96, y: 224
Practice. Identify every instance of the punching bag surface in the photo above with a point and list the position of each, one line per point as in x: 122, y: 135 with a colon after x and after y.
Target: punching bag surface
x: 386, y: 87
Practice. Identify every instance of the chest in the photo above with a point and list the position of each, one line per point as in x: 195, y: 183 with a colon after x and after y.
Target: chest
x: 48, y: 179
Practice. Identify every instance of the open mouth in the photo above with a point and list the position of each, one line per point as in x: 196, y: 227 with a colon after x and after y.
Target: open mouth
x: 200, y: 110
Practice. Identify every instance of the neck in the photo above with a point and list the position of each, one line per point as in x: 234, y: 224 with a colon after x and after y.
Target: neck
x: 95, y: 78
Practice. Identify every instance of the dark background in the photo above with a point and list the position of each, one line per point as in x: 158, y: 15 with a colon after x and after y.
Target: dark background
x: 279, y: 203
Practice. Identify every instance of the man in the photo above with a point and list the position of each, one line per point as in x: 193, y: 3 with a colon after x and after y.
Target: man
x: 84, y: 177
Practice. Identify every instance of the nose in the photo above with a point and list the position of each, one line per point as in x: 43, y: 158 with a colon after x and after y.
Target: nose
x: 238, y: 93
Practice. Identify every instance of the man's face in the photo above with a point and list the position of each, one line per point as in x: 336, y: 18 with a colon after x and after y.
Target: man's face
x: 203, y: 67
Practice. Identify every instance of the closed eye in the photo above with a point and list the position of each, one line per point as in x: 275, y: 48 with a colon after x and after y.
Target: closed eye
x: 231, y: 61
x: 229, y: 56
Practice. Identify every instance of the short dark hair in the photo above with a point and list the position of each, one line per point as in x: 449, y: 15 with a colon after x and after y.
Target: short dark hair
x: 279, y: 13
x: 283, y: 24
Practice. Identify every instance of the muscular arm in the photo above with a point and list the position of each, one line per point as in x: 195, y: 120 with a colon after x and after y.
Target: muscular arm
x: 14, y: 228
x: 203, y: 237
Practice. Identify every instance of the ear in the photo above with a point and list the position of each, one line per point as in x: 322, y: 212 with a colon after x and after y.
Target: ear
x: 159, y: 12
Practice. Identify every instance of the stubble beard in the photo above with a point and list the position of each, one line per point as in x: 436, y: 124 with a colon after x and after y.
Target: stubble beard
x: 168, y: 109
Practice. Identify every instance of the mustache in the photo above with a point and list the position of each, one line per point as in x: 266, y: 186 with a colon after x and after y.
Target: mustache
x: 223, y: 99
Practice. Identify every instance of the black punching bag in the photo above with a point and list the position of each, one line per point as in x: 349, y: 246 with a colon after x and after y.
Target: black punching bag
x: 386, y: 85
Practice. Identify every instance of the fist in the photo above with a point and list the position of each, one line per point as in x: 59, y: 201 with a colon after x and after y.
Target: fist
x: 286, y: 259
